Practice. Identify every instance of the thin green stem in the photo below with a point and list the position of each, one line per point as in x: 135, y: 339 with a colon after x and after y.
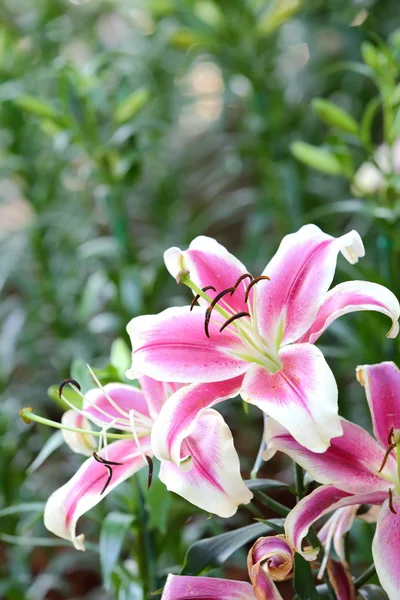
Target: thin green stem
x: 145, y: 554
x: 185, y: 279
x: 364, y: 577
x: 27, y: 415
x: 299, y: 478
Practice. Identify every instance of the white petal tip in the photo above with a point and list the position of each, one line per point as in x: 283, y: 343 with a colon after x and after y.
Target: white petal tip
x: 394, y: 330
x: 132, y: 374
x: 79, y: 542
x: 173, y: 259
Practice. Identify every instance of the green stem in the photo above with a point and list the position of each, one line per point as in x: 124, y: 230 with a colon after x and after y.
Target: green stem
x: 27, y: 416
x: 299, y: 478
x: 364, y: 577
x: 273, y: 504
x: 145, y: 554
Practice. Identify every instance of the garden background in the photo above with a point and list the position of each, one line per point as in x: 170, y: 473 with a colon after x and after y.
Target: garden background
x: 130, y: 126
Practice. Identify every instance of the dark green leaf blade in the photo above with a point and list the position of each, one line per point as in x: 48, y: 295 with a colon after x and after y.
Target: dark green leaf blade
x: 112, y: 535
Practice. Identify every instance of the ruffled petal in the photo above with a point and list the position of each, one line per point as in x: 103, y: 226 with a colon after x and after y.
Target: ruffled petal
x: 382, y: 388
x: 212, y: 481
x: 341, y: 580
x: 302, y: 395
x: 300, y: 274
x: 177, y: 418
x: 86, y: 488
x: 115, y: 401
x: 209, y: 263
x: 335, y: 530
x: 351, y: 463
x: 270, y: 559
x: 82, y: 443
x: 172, y: 346
x: 321, y: 501
x: 156, y: 393
x: 386, y: 549
x: 353, y: 296
x: 180, y: 587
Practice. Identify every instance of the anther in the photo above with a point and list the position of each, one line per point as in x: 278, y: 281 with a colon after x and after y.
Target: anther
x: 253, y: 282
x: 391, y: 436
x: 238, y: 315
x: 209, y: 310
x: 151, y: 466
x: 66, y: 382
x: 107, y: 483
x: 242, y: 277
x: 388, y: 451
x: 391, y: 507
x: 104, y: 461
x: 197, y: 296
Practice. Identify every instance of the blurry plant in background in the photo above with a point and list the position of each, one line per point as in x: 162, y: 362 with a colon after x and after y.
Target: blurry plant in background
x: 127, y: 127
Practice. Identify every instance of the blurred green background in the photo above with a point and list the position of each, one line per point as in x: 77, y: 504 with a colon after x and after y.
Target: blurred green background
x: 129, y: 126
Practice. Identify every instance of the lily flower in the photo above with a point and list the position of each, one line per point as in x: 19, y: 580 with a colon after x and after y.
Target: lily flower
x: 260, y: 329
x: 211, y: 481
x: 270, y: 559
x: 356, y: 469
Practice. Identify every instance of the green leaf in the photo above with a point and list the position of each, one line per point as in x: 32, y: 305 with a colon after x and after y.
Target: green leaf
x: 81, y: 373
x: 38, y: 107
x: 372, y: 592
x: 318, y: 158
x: 276, y: 524
x: 215, y: 551
x: 303, y: 579
x: 20, y: 508
x: 332, y: 115
x: 113, y: 532
x: 256, y: 485
x: 120, y: 356
x: 51, y: 445
x: 368, y: 119
x: 132, y: 105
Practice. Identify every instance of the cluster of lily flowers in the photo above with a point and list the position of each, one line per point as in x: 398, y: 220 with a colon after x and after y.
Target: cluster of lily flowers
x: 253, y: 337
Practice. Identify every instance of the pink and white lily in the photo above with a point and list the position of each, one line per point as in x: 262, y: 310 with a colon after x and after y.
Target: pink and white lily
x: 211, y: 481
x: 356, y: 469
x: 258, y: 331
x: 270, y: 559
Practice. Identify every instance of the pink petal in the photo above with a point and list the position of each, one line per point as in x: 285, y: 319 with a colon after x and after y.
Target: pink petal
x: 341, y: 580
x: 270, y: 559
x: 180, y: 587
x: 209, y: 263
x: 382, y: 388
x: 85, y: 489
x: 177, y: 418
x: 156, y: 393
x: 172, y: 346
x: 353, y: 296
x: 301, y: 272
x: 321, y: 501
x: 386, y: 549
x: 98, y: 408
x: 213, y: 482
x: 351, y: 463
x: 335, y: 529
x: 302, y: 396
x: 81, y: 443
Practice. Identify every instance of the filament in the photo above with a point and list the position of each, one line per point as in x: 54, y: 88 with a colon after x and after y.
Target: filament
x: 197, y: 296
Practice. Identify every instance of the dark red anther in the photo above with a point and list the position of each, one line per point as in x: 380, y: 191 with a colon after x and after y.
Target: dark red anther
x: 391, y: 507
x: 388, y: 451
x: 253, y: 282
x: 107, y: 464
x: 391, y: 436
x: 197, y: 296
x: 66, y: 382
x: 151, y: 468
x: 241, y: 278
x: 213, y: 303
x: 238, y: 315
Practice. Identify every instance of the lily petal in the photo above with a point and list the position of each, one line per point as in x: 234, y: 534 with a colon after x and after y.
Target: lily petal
x: 321, y: 501
x: 209, y: 263
x: 382, y: 388
x: 270, y: 559
x: 341, y: 580
x: 353, y: 296
x: 335, y: 530
x: 386, y: 548
x: 177, y: 418
x: 301, y: 272
x: 82, y: 443
x: 351, y: 463
x: 98, y: 408
x: 302, y: 395
x: 156, y: 393
x: 180, y: 587
x: 86, y: 488
x: 172, y: 346
x: 213, y: 482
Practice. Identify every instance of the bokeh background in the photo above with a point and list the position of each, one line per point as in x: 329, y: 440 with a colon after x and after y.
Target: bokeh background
x: 129, y: 126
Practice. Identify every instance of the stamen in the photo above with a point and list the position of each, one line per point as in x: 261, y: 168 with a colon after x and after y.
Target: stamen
x: 388, y: 451
x: 391, y: 507
x: 111, y: 401
x: 107, y: 483
x: 241, y: 278
x: 253, y: 282
x: 197, y: 296
x: 209, y: 310
x: 151, y: 467
x: 391, y: 436
x: 238, y: 315
x: 107, y: 464
x: 66, y: 382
